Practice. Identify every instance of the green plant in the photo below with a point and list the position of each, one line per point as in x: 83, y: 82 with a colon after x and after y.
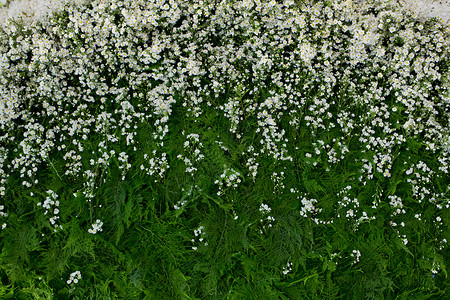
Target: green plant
x: 224, y: 150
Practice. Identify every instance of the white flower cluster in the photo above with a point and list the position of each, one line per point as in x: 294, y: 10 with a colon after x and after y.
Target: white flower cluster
x: 74, y: 277
x: 397, y: 204
x: 278, y: 182
x: 267, y: 222
x: 233, y: 112
x: 125, y: 165
x: 3, y: 175
x: 264, y: 208
x: 158, y: 165
x: 201, y: 235
x: 229, y: 178
x: 309, y: 209
x: 368, y: 169
x: 381, y: 161
x: 288, y: 268
x: 3, y: 214
x: 180, y: 204
x: 50, y: 201
x: 335, y: 154
x: 364, y: 217
x: 442, y: 244
x: 353, y: 208
x: 192, y: 146
x: 404, y: 239
x: 356, y: 255
x: 89, y: 185
x: 105, y: 155
x: 97, y: 226
x: 252, y: 163
x: 74, y: 162
x: 436, y: 268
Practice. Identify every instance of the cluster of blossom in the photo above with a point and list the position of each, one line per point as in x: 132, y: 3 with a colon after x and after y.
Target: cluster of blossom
x: 235, y: 215
x: 180, y: 204
x: 233, y: 112
x: 267, y: 222
x: 74, y: 277
x: 3, y: 214
x: 404, y: 239
x: 336, y: 153
x: 309, y: 155
x: 192, y: 146
x: 356, y: 255
x: 74, y: 165
x: 264, y: 208
x: 125, y: 166
x: 158, y: 165
x: 50, y: 201
x: 442, y: 244
x: 272, y: 137
x: 89, y: 185
x: 97, y: 226
x: 346, y: 201
x: 366, y: 168
x: 353, y: 212
x: 308, y: 207
x: 104, y: 154
x: 3, y: 175
x: 201, y: 235
x: 288, y: 268
x: 381, y: 161
x: 397, y: 204
x: 436, y: 268
x: 251, y: 163
x: 334, y: 255
x: 394, y: 224
x: 420, y: 183
x: 278, y: 182
x: 228, y: 179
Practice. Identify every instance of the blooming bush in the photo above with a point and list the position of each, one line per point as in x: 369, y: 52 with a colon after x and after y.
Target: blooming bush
x: 243, y: 149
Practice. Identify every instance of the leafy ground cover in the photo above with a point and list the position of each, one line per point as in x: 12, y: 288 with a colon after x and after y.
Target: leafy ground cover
x: 224, y: 150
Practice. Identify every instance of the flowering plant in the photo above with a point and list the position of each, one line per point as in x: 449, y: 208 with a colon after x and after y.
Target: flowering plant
x: 224, y: 149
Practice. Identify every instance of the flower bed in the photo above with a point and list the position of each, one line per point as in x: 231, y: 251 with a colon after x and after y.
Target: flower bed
x: 233, y: 149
